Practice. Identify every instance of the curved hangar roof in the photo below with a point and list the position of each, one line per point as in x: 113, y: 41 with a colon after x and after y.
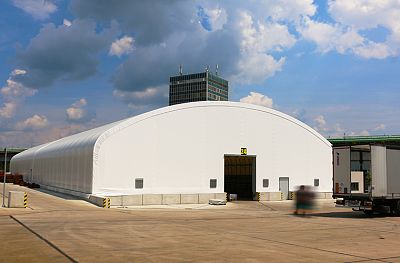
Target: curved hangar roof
x: 76, y: 163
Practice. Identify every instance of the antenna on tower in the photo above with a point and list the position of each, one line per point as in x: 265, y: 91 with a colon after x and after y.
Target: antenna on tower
x: 180, y: 69
x: 216, y: 69
x: 207, y: 68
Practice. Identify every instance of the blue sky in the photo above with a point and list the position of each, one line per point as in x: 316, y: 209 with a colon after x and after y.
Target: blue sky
x: 68, y: 66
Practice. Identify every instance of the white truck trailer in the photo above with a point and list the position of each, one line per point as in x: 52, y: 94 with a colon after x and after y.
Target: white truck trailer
x: 367, y: 177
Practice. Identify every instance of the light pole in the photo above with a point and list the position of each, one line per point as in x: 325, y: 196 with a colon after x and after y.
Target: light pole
x: 4, y: 181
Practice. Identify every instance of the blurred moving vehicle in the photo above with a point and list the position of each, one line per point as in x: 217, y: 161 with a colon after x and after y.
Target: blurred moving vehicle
x: 304, y: 200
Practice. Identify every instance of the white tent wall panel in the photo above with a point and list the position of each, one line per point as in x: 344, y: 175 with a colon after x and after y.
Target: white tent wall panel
x: 23, y: 162
x: 181, y: 150
x: 65, y: 164
x: 283, y: 148
x: 166, y: 155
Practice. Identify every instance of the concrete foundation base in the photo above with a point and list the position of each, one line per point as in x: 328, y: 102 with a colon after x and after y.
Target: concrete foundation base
x: 318, y: 195
x: 170, y: 199
x: 323, y: 195
x: 270, y: 196
x: 131, y: 200
x: 152, y: 199
x: 220, y: 196
x: 17, y: 199
x: 277, y: 196
x: 101, y: 201
x: 157, y: 199
x: 189, y: 199
x: 205, y: 198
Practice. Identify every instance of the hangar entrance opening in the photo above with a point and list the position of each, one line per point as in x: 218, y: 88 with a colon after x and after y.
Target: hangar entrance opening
x: 240, y: 176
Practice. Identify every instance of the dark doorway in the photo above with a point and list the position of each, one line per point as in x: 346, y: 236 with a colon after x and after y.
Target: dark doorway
x: 240, y: 176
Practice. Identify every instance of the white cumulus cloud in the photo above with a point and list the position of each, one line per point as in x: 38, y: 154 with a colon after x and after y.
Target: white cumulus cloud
x: 143, y: 99
x: 370, y: 14
x: 216, y: 17
x: 365, y: 14
x: 77, y: 112
x: 257, y: 39
x: 342, y: 39
x: 256, y: 67
x: 14, y: 93
x: 16, y: 72
x: 15, y: 90
x: 39, y: 9
x: 373, y: 50
x: 33, y: 123
x: 8, y: 110
x: 330, y: 37
x: 328, y: 130
x: 320, y: 123
x: 67, y: 23
x: 288, y: 10
x: 258, y: 99
x: 80, y: 103
x: 260, y: 36
x: 122, y: 46
x: 380, y: 127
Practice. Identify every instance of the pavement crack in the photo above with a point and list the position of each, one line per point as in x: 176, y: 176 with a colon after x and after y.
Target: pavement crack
x: 44, y: 239
x: 386, y: 258
x: 271, y: 208
x: 314, y: 248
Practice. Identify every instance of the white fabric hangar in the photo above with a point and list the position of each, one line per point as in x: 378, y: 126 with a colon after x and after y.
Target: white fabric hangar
x: 202, y: 149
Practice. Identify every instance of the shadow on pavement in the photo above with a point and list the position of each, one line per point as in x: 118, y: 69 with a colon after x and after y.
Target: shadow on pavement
x: 350, y: 214
x: 60, y: 195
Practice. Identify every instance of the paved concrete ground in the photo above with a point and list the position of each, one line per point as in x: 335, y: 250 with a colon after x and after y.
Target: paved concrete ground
x: 54, y: 229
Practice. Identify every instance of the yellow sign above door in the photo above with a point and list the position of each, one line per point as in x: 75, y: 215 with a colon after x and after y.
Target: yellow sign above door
x: 243, y: 151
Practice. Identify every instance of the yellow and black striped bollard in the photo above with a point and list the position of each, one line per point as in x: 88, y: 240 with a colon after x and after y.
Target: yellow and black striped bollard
x: 104, y: 202
x: 108, y: 202
x: 25, y: 200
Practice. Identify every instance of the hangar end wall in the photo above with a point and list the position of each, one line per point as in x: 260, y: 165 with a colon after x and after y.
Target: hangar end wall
x: 180, y: 149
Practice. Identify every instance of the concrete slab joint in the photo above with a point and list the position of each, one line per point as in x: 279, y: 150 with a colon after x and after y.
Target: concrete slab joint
x: 170, y: 199
x: 152, y: 199
x: 131, y: 200
x: 189, y: 198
